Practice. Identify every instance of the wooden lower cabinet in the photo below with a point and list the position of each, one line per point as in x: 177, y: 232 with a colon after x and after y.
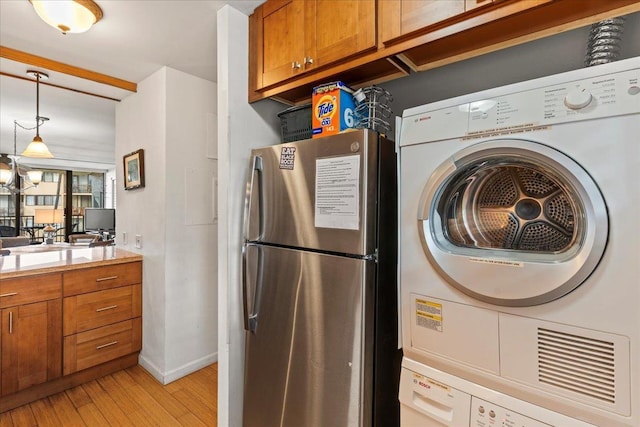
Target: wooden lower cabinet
x: 60, y: 330
x: 95, y: 309
x: 31, y: 345
x: 91, y: 348
x: 102, y: 315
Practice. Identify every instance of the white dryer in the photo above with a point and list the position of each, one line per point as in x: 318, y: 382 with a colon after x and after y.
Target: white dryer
x: 520, y: 240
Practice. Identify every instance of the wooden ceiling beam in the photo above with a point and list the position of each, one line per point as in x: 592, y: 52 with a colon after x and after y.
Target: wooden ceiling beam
x: 49, y: 64
x: 30, y: 80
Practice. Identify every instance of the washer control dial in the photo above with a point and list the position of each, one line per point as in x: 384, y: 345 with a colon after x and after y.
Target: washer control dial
x: 578, y: 98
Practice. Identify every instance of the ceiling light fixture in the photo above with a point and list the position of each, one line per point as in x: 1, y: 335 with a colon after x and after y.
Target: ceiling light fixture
x: 37, y: 148
x: 11, y: 171
x: 68, y: 16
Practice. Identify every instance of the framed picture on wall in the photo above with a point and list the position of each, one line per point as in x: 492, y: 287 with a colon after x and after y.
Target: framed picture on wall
x: 134, y: 170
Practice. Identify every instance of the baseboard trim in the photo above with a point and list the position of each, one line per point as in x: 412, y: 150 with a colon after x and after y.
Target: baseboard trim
x: 175, y: 374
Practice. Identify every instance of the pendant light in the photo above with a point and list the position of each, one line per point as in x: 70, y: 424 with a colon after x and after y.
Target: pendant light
x: 37, y: 148
x: 68, y: 16
x: 11, y: 171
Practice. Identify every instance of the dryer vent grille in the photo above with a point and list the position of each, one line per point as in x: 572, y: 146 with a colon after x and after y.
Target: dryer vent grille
x: 578, y: 364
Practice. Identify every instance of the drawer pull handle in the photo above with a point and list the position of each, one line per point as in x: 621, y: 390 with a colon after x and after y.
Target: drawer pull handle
x: 111, y: 307
x: 11, y: 322
x: 10, y: 294
x: 109, y: 344
x: 102, y: 279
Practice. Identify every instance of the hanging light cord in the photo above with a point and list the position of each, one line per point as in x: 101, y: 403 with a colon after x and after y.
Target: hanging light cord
x: 38, y: 104
x: 15, y: 130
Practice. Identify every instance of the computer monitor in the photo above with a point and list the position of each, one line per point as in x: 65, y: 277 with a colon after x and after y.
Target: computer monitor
x: 100, y: 220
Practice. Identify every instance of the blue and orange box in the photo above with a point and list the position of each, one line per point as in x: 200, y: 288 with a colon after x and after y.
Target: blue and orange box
x: 333, y: 109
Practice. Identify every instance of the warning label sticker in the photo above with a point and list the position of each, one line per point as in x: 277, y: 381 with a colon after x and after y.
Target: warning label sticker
x: 506, y: 263
x: 429, y: 314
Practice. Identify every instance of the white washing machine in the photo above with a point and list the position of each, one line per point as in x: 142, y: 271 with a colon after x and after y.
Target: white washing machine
x: 432, y: 398
x: 520, y: 241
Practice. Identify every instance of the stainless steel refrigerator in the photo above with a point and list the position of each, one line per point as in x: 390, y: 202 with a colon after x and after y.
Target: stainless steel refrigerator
x: 319, y: 284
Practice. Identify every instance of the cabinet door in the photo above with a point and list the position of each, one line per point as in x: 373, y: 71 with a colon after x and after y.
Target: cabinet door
x: 31, y: 345
x: 337, y: 29
x: 281, y: 38
x: 406, y: 16
x: 291, y: 37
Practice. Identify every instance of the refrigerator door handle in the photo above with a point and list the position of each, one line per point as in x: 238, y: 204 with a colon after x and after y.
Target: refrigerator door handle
x: 251, y: 311
x: 256, y: 166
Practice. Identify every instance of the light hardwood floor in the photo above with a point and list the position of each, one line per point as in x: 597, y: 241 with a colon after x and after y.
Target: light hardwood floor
x: 131, y: 397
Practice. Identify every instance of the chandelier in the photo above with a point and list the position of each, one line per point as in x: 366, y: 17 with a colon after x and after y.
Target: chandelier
x: 11, y: 171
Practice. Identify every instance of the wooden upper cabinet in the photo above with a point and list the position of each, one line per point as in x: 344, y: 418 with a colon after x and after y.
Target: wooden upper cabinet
x: 291, y: 37
x: 282, y: 41
x: 342, y: 28
x: 402, y: 17
x: 295, y: 45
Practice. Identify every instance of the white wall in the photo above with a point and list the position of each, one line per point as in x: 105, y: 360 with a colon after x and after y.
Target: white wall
x: 141, y: 123
x: 167, y: 118
x: 191, y: 237
x: 242, y: 126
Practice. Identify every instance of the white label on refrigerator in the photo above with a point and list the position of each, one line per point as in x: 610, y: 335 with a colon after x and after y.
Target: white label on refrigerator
x: 338, y: 192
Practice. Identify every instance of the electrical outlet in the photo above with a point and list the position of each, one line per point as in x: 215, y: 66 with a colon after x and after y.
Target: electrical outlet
x: 124, y: 238
x: 139, y: 241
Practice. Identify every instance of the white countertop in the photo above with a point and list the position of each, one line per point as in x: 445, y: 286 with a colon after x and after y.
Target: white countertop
x: 28, y: 260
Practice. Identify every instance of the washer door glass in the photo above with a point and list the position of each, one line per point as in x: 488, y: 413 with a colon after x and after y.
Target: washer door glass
x: 510, y: 203
x: 513, y: 222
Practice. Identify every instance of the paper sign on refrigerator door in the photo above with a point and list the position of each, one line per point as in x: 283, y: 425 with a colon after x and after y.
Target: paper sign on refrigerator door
x: 337, y: 203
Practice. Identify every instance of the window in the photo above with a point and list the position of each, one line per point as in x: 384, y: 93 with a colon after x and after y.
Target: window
x: 50, y: 176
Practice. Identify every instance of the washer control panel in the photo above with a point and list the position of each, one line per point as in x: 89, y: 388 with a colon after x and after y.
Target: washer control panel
x: 602, y: 96
x: 487, y: 414
x: 585, y: 94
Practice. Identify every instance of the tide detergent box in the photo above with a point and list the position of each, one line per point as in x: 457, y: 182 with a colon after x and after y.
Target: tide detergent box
x: 333, y: 109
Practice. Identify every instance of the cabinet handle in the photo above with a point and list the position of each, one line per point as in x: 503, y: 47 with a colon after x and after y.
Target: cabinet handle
x: 308, y: 60
x: 295, y: 65
x: 111, y: 307
x: 109, y: 344
x: 11, y: 322
x: 10, y: 294
x: 102, y: 279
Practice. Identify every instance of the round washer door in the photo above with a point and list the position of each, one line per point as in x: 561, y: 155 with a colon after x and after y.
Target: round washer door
x: 513, y: 222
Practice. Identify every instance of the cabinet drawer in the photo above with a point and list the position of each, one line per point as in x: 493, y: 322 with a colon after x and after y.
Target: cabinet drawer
x: 91, y: 348
x: 99, y: 278
x: 95, y: 309
x: 27, y: 290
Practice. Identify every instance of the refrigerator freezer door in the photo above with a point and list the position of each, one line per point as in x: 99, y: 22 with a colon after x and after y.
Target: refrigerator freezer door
x: 309, y: 347
x: 319, y: 194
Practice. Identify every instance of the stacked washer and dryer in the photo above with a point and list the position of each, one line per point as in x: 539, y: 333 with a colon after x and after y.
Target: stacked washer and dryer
x: 520, y: 254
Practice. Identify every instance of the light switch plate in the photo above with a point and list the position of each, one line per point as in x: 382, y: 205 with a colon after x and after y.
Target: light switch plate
x: 124, y: 238
x: 138, y: 241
